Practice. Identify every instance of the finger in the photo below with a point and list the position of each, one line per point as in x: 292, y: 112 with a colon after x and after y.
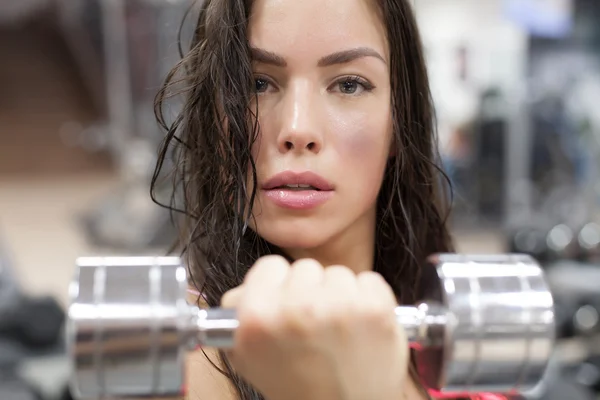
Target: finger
x: 305, y: 275
x: 271, y: 265
x: 232, y: 297
x: 375, y: 290
x: 262, y: 285
x: 298, y: 309
x: 339, y: 294
x: 257, y: 307
x: 378, y: 302
x: 339, y: 282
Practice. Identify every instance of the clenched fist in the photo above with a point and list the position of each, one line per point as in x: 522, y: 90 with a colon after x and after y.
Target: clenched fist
x: 309, y: 332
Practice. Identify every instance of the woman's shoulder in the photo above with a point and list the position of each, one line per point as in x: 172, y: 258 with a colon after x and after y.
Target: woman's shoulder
x: 203, y: 380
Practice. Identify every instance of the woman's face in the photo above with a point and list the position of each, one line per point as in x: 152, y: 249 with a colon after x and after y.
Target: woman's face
x: 322, y: 75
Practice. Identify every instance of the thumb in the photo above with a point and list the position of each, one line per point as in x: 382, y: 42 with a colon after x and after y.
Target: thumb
x: 232, y: 297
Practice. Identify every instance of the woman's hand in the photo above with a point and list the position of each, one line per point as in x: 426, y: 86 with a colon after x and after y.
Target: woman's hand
x: 308, y: 332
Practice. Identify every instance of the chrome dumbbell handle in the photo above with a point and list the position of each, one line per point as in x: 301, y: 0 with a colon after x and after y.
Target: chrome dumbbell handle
x: 424, y: 324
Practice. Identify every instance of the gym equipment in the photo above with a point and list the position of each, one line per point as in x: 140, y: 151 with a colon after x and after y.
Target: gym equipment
x: 125, y: 49
x: 34, y: 322
x: 9, y: 288
x: 589, y: 241
x: 559, y: 384
x: 588, y: 373
x: 562, y: 243
x: 529, y: 240
x: 17, y: 12
x: 486, y: 325
x: 14, y: 388
x: 576, y: 294
x: 558, y: 241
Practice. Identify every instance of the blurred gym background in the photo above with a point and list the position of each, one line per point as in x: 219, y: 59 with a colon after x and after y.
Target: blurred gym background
x: 515, y: 83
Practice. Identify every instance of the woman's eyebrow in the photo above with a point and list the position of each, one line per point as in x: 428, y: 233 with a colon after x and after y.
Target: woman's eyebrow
x: 341, y: 57
x: 346, y: 56
x: 267, y: 57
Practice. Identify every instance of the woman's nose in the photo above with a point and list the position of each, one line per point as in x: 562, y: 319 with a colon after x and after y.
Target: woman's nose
x: 301, y: 129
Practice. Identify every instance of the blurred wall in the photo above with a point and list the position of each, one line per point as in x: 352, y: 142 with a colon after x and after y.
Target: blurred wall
x: 494, y: 56
x: 41, y: 96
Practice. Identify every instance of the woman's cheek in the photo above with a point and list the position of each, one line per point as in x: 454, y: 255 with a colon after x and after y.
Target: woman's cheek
x: 361, y: 138
x: 362, y: 146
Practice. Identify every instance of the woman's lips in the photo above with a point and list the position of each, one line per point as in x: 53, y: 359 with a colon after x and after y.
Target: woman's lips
x: 296, y: 199
x: 298, y: 190
x: 306, y: 178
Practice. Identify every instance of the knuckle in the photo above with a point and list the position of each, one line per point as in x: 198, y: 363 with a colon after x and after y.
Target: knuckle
x: 255, y: 324
x: 339, y: 270
x: 271, y: 261
x: 370, y: 278
x: 274, y: 259
x: 377, y: 314
x: 301, y: 320
x: 306, y: 264
x: 380, y: 316
x: 340, y: 317
x: 227, y: 301
x: 303, y: 307
x: 266, y: 264
x: 340, y: 314
x: 373, y: 282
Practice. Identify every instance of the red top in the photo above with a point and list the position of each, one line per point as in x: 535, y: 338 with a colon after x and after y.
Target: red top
x: 480, y: 396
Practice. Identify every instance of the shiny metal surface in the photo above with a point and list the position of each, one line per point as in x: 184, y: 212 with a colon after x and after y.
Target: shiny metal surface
x: 128, y: 326
x: 504, y: 331
x: 486, y: 325
x: 425, y: 325
x: 216, y: 327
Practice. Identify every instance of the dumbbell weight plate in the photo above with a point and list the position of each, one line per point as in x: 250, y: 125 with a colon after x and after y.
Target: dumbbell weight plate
x: 127, y: 330
x: 505, y: 326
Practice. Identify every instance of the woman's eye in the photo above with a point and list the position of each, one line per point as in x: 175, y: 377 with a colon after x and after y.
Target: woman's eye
x: 349, y: 87
x: 261, y: 85
x: 354, y: 86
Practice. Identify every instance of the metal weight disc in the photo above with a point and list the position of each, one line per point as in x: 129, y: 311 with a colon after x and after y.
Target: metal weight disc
x: 126, y: 327
x: 503, y: 330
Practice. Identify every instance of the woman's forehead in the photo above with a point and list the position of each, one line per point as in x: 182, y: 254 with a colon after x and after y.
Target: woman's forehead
x: 316, y: 27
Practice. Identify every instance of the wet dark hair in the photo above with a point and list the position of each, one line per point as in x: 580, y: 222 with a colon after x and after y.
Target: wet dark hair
x: 210, y: 142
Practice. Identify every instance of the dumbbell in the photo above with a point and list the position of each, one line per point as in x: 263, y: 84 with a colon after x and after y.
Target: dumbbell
x: 486, y: 324
x: 529, y: 240
x: 576, y: 296
x: 589, y: 241
x: 561, y: 242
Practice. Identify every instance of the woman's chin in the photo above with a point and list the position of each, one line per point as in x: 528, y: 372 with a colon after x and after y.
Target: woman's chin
x: 296, y: 233
x: 300, y: 240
